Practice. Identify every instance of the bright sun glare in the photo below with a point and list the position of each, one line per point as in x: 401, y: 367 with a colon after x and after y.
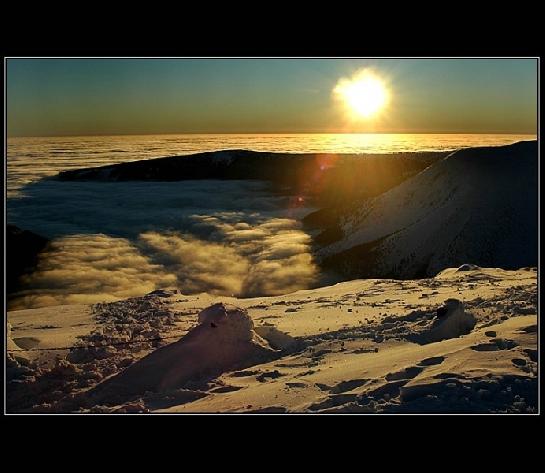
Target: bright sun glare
x: 364, y: 93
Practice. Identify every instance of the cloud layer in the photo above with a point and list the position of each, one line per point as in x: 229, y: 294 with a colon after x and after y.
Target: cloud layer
x: 117, y: 240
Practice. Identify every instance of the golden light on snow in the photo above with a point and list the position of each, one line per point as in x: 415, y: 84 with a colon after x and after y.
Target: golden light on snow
x: 364, y: 94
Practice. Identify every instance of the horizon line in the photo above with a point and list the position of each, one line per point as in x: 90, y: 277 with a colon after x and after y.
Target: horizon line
x: 279, y: 133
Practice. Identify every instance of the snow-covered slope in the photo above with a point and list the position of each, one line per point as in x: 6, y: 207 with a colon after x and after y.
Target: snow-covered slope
x: 464, y: 341
x: 477, y: 205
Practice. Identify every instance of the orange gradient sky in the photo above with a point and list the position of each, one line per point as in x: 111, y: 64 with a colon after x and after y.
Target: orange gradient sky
x: 48, y: 97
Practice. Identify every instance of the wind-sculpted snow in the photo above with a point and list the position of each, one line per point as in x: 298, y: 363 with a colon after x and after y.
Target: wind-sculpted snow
x: 464, y: 341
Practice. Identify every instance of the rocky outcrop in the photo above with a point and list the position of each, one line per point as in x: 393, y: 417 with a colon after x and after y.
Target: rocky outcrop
x: 22, y: 249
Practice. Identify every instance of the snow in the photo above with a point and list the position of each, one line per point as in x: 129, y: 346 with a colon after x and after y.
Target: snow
x: 475, y: 206
x: 464, y: 341
x: 454, y: 323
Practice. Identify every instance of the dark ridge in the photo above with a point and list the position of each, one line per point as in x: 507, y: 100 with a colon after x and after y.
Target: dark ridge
x: 360, y: 261
x: 335, y: 179
x: 24, y: 247
x: 238, y: 164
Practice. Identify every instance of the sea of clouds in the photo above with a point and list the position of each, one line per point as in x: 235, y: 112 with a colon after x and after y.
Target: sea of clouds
x: 116, y: 240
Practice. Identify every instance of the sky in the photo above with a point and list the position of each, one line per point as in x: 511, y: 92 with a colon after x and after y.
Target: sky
x: 65, y: 97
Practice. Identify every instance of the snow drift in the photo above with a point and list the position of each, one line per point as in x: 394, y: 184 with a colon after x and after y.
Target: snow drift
x: 452, y: 321
x: 223, y: 340
x: 477, y: 205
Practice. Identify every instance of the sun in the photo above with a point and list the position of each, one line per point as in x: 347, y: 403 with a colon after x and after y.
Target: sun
x: 365, y: 94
